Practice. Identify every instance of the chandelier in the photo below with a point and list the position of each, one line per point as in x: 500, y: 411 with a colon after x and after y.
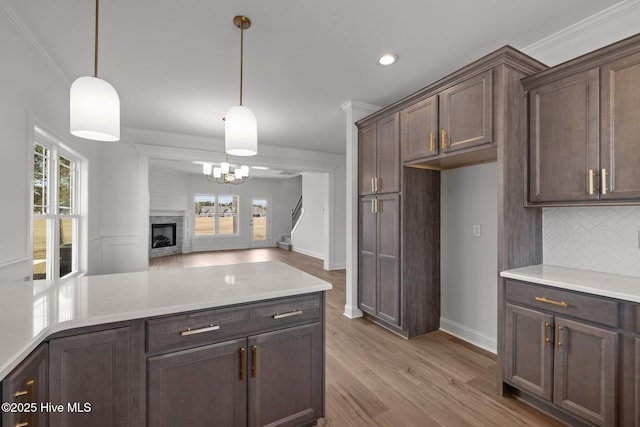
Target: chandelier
x: 240, y: 129
x: 223, y: 174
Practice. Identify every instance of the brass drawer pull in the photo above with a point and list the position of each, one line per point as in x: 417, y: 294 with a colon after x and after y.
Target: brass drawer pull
x: 545, y: 338
x: 558, y: 343
x: 591, y: 175
x: 21, y: 393
x: 604, y: 174
x: 190, y: 331
x: 289, y: 314
x: 444, y: 139
x: 22, y: 424
x: 550, y: 301
x: 432, y: 143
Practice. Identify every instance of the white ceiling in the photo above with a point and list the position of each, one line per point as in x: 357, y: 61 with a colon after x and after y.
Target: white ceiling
x: 175, y: 63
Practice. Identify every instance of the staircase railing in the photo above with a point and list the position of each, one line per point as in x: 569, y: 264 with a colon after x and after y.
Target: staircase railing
x: 296, y: 212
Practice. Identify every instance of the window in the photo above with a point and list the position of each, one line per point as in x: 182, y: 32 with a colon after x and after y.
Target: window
x: 55, y: 209
x: 216, y: 215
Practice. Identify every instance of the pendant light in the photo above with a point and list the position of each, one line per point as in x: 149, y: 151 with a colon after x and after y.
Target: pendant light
x: 94, y: 104
x: 240, y: 129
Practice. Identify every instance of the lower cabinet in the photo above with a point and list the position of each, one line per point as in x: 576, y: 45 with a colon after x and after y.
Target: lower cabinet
x: 274, y: 379
x: 559, y: 355
x: 91, y: 369
x: 27, y: 387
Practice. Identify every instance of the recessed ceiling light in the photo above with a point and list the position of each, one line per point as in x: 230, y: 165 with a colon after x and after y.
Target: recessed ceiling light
x: 387, y: 59
x: 262, y: 168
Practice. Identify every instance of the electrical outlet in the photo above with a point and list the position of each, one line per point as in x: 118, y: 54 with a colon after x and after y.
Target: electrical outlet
x: 476, y: 230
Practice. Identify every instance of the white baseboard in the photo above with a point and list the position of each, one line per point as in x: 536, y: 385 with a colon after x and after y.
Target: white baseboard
x: 307, y: 252
x: 469, y: 335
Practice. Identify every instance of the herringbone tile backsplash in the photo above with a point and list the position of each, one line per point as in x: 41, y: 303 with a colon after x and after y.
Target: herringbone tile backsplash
x: 594, y: 238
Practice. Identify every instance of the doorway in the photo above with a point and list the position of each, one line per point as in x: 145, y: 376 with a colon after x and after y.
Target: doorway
x: 260, y: 222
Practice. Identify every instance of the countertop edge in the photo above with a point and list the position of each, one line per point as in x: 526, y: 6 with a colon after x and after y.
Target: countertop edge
x: 625, y: 288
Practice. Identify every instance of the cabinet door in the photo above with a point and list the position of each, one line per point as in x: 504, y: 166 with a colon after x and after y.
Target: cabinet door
x: 367, y: 272
x: 585, y: 370
x: 388, y: 154
x: 620, y: 129
x: 388, y: 258
x: 419, y: 130
x: 367, y: 138
x: 92, y: 368
x: 28, y: 384
x: 529, y: 350
x: 286, y: 377
x: 563, y: 139
x: 196, y: 386
x: 466, y: 113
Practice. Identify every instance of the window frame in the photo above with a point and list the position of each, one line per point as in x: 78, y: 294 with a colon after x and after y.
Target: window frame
x: 216, y: 216
x: 51, y: 211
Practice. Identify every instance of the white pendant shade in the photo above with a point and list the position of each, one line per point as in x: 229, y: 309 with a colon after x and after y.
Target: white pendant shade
x: 94, y: 110
x: 241, y: 132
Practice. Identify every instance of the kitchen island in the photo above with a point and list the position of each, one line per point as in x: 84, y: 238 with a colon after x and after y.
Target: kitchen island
x: 160, y: 347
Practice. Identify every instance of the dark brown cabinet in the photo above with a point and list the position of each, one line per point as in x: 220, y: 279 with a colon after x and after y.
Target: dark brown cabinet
x: 93, y: 368
x: 419, y: 130
x: 285, y: 380
x: 193, y: 387
x: 570, y: 362
x: 249, y: 365
x: 379, y: 257
x: 466, y: 113
x: 28, y: 385
x: 457, y: 118
x: 379, y: 156
x: 583, y: 130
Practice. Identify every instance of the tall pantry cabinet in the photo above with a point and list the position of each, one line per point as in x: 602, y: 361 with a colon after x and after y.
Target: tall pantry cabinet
x: 474, y: 115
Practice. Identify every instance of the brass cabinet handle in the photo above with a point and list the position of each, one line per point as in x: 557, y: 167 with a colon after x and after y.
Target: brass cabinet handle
x: 373, y: 206
x: 22, y: 424
x: 288, y: 314
x: 242, y: 365
x: 443, y: 142
x: 373, y: 185
x: 558, y: 343
x: 254, y: 359
x: 376, y: 202
x: 376, y: 182
x: 554, y: 302
x: 604, y: 175
x: 432, y: 142
x: 591, y: 175
x: 545, y: 338
x: 28, y: 391
x: 190, y: 331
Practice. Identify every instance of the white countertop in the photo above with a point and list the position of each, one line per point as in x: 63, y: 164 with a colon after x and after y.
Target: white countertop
x: 591, y: 282
x: 32, y: 311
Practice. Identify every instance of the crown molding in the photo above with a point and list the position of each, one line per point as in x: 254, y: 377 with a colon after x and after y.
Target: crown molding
x: 16, y: 22
x: 588, y: 24
x: 350, y: 104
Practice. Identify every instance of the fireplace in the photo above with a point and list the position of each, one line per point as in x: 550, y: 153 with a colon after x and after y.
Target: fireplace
x: 163, y: 235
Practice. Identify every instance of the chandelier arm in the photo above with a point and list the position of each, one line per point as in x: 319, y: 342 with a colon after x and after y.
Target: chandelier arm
x: 95, y: 50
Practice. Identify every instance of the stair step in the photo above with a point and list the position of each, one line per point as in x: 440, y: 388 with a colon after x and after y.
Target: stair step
x: 286, y: 239
x: 284, y: 245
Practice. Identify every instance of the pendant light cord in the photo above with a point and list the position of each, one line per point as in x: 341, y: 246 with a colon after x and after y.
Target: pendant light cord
x: 241, y: 55
x: 95, y: 64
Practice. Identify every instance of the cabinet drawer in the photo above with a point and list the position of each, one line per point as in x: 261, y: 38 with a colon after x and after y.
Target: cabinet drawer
x: 282, y: 313
x: 210, y: 326
x: 194, y: 329
x: 566, y: 303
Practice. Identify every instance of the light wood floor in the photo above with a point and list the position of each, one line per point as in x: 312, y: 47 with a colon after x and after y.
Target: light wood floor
x: 374, y: 378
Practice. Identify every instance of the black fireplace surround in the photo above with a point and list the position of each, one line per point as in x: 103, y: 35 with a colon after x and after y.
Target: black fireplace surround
x: 163, y: 235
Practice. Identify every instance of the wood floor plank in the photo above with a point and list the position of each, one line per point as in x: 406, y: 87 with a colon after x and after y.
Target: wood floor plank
x: 375, y: 378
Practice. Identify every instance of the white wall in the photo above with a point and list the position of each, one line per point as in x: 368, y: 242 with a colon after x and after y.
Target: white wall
x: 33, y: 91
x: 468, y: 267
x: 308, y: 237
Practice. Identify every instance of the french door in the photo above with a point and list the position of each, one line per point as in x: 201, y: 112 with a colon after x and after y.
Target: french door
x: 260, y: 222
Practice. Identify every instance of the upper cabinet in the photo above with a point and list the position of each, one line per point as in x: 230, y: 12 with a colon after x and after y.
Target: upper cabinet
x: 379, y: 156
x: 584, y: 132
x: 456, y: 118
